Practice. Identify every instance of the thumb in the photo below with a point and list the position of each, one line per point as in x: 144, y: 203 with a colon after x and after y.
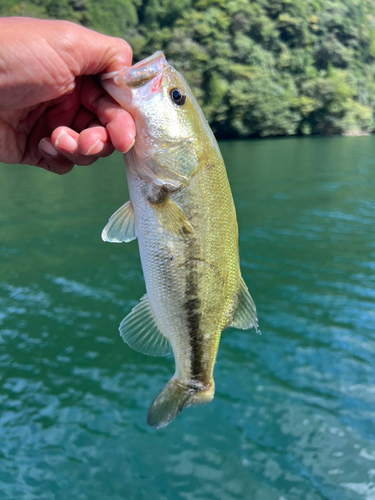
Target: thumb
x: 87, y: 52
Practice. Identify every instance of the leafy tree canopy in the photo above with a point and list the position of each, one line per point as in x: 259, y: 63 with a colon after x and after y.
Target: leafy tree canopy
x: 257, y: 67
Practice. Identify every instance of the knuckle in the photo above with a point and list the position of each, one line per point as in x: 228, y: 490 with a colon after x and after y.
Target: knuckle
x: 124, y: 51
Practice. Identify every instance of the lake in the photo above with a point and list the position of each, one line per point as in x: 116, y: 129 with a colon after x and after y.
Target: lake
x: 294, y: 413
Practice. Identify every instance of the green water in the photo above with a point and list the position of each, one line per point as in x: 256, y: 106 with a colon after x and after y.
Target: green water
x: 294, y: 412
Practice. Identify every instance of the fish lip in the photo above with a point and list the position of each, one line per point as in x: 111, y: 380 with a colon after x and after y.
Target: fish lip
x: 140, y: 73
x: 156, y: 57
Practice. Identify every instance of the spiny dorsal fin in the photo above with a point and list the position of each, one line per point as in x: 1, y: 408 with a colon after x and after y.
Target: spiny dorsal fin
x: 245, y: 315
x: 121, y: 226
x: 172, y: 218
x: 140, y: 331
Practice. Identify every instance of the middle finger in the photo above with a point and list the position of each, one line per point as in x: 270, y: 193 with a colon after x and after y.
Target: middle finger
x: 84, y: 148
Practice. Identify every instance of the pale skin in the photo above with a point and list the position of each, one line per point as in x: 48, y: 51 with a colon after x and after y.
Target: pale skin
x: 53, y: 112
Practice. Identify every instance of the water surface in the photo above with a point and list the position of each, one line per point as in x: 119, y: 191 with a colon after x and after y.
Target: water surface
x: 294, y: 412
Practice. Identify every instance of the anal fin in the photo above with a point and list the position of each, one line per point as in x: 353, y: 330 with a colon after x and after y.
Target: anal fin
x: 245, y: 315
x: 121, y: 225
x: 140, y: 331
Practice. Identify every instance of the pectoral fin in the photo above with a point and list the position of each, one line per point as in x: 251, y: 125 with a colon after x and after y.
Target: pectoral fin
x: 121, y: 226
x: 245, y: 315
x: 140, y: 331
x: 181, y: 160
x: 172, y: 218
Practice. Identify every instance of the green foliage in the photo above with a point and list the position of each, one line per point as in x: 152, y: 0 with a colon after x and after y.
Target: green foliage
x: 270, y: 104
x: 257, y: 67
x: 113, y: 17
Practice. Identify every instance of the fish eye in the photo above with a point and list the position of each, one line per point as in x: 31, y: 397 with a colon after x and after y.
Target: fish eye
x: 178, y: 96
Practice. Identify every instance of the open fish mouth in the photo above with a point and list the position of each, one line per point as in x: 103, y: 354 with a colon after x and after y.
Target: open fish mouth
x: 122, y: 84
x: 145, y: 70
x: 140, y: 73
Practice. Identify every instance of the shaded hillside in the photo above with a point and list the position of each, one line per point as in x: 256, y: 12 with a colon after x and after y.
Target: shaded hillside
x: 265, y: 67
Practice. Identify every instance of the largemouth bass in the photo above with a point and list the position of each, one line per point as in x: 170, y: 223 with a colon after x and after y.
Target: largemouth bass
x: 182, y: 211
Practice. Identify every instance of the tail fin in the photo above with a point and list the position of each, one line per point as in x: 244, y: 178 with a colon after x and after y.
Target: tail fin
x: 175, y: 397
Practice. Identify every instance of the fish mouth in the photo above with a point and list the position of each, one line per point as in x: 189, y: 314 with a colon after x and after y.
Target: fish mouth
x: 121, y: 84
x: 145, y: 70
x: 139, y: 74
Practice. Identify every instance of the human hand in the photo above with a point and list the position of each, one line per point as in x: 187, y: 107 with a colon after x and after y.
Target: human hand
x: 53, y: 112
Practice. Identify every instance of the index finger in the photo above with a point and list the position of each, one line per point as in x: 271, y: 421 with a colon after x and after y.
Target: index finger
x: 118, y: 122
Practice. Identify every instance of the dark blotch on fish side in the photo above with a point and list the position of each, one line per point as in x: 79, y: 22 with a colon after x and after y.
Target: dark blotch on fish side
x: 192, y: 311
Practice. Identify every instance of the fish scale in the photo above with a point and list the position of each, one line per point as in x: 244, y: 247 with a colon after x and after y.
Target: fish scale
x: 182, y: 213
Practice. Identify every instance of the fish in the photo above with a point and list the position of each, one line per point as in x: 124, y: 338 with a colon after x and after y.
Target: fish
x: 182, y: 212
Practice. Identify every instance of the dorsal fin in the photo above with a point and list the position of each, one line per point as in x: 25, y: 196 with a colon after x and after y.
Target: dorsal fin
x: 140, y: 331
x: 121, y: 225
x: 245, y: 315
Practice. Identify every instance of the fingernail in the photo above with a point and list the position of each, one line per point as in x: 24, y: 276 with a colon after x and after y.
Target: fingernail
x: 46, y: 147
x: 95, y: 148
x: 129, y: 148
x: 66, y: 142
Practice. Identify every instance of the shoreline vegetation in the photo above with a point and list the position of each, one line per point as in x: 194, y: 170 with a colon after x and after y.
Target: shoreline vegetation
x: 258, y: 68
